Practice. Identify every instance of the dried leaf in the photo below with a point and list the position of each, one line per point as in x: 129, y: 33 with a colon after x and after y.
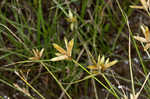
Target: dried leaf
x: 141, y: 39
x: 136, y: 7
x: 70, y: 46
x: 92, y: 67
x: 147, y: 46
x: 60, y: 49
x: 62, y: 57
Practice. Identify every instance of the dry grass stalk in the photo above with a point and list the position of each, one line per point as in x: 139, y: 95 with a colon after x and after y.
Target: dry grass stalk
x: 25, y: 91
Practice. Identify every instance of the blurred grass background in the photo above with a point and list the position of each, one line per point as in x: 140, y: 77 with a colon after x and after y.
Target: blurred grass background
x: 100, y: 28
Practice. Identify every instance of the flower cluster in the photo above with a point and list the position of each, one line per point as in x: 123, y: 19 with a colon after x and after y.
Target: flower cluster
x: 37, y: 54
x: 72, y: 20
x: 66, y: 55
x: 101, y: 64
x: 63, y: 54
x: 146, y: 38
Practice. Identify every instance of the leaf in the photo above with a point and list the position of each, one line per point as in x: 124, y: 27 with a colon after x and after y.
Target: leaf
x: 41, y: 52
x: 136, y: 7
x: 102, y: 59
x: 140, y: 38
x: 90, y: 76
x: 144, y: 3
x: 92, y: 67
x: 110, y: 64
x: 70, y: 46
x: 60, y: 49
x: 147, y: 46
x: 66, y: 43
x: 62, y: 57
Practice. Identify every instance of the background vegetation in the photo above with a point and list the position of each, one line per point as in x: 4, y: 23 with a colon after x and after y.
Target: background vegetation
x: 100, y: 26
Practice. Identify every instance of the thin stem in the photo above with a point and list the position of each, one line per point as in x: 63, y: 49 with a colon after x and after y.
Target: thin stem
x: 59, y: 6
x: 95, y: 90
x: 131, y: 73
x: 95, y: 78
x: 61, y: 96
x: 144, y: 83
x: 110, y: 85
x: 3, y: 81
x: 148, y: 12
x: 16, y: 37
x: 146, y: 51
x: 137, y: 50
x: 31, y: 87
x: 61, y: 86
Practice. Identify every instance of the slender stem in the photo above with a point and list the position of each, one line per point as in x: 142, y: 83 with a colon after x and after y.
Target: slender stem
x: 16, y: 37
x: 32, y: 87
x: 110, y: 85
x: 137, y: 50
x: 61, y: 96
x: 61, y: 86
x: 144, y: 83
x: 148, y: 12
x: 95, y: 90
x: 59, y: 6
x: 131, y: 73
x: 146, y: 51
x: 94, y: 78
x: 3, y: 81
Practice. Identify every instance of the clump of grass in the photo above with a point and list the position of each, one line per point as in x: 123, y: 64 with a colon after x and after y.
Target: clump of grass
x: 93, y: 27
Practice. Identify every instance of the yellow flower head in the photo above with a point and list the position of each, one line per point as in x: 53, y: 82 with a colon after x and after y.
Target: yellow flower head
x: 101, y: 65
x: 63, y: 54
x: 37, y: 54
x: 71, y: 19
x: 146, y: 38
